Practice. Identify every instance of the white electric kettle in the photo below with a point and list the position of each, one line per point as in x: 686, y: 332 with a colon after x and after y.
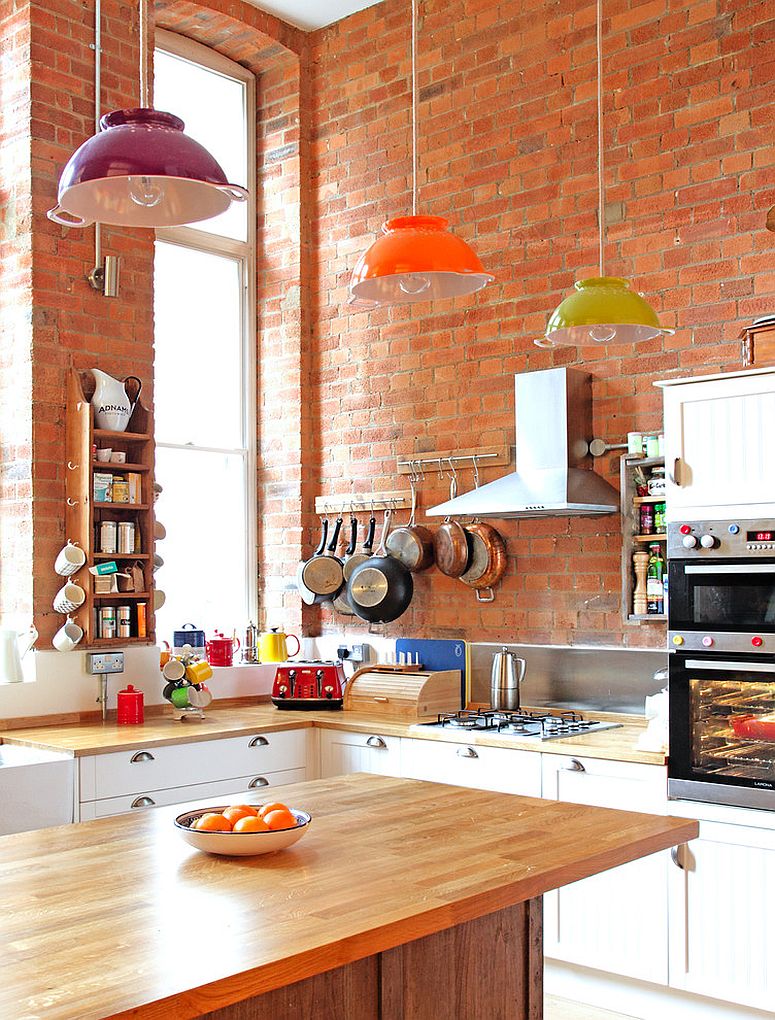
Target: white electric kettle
x: 13, y: 647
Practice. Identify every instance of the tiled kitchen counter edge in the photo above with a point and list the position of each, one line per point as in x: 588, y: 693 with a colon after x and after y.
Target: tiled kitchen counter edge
x: 233, y: 721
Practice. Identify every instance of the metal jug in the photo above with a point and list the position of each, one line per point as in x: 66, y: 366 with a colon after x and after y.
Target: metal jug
x: 508, y: 672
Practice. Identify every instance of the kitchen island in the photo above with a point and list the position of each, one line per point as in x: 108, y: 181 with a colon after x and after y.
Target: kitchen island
x: 405, y: 899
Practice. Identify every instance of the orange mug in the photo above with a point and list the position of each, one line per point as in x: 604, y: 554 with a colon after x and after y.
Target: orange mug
x: 165, y: 655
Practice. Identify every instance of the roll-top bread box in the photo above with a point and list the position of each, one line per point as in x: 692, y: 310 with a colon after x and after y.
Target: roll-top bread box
x: 403, y: 695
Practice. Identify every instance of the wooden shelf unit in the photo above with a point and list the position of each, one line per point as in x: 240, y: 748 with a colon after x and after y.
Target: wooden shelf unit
x: 84, y: 515
x: 632, y: 541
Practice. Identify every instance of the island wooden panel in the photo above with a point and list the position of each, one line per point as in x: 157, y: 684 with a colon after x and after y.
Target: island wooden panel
x: 120, y: 917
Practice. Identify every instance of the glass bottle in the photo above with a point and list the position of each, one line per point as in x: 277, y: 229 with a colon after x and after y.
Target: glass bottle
x: 655, y: 591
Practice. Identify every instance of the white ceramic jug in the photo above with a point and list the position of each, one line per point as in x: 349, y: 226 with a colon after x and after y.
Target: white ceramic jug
x: 11, y: 654
x: 112, y: 406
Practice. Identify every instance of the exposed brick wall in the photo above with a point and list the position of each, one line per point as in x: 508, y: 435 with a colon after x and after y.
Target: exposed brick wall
x: 507, y: 144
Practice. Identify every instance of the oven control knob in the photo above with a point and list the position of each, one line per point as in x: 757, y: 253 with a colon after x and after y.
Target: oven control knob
x: 685, y: 529
x: 677, y: 639
x: 757, y: 642
x: 709, y: 542
x: 707, y: 641
x: 689, y: 541
x: 734, y: 529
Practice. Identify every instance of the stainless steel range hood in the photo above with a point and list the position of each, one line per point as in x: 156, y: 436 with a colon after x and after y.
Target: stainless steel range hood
x: 553, y: 479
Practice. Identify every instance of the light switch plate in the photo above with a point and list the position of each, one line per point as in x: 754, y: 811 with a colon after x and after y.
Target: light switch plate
x: 104, y: 662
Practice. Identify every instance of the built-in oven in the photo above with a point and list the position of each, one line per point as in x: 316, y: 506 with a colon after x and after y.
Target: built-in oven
x: 721, y: 633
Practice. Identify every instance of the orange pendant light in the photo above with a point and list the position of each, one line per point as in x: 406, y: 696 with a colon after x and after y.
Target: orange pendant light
x: 416, y: 258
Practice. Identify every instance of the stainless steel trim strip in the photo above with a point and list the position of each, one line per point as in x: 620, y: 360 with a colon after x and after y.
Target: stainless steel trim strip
x: 713, y: 793
x: 754, y: 667
x: 729, y: 568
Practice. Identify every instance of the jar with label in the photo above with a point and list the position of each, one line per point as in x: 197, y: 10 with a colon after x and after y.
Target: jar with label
x: 647, y: 519
x: 656, y: 482
x: 124, y: 621
x: 108, y: 536
x: 660, y: 525
x: 108, y: 622
x: 126, y: 537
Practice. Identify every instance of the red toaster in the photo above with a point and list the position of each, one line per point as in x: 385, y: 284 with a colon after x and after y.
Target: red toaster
x: 308, y: 685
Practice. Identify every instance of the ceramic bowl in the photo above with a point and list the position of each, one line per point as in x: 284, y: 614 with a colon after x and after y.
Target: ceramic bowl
x: 240, y: 844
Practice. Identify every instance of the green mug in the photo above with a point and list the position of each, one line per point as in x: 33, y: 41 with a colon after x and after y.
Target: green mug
x: 180, y: 697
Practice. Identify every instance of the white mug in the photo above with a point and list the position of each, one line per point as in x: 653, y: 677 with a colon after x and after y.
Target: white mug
x: 118, y: 457
x: 70, y: 559
x: 173, y: 670
x: 104, y: 454
x: 69, y: 598
x: 68, y: 636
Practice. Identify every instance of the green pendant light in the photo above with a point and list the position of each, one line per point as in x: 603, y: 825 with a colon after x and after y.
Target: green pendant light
x: 602, y: 309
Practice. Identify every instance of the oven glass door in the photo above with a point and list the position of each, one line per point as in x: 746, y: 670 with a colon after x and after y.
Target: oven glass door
x: 736, y: 595
x: 722, y: 720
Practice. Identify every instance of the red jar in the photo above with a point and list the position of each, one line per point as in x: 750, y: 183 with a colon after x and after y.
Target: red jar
x: 220, y: 649
x: 129, y: 704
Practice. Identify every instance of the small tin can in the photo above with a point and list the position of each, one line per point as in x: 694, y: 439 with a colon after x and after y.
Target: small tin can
x: 126, y: 537
x: 108, y: 533
x: 124, y: 621
x: 108, y: 622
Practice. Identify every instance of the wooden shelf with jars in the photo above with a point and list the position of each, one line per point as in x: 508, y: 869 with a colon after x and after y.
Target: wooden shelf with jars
x: 640, y: 507
x: 85, y: 516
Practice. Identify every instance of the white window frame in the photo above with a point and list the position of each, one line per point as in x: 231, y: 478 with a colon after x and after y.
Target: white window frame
x: 245, y: 254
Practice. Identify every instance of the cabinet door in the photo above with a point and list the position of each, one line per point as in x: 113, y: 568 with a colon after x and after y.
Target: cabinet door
x: 504, y: 770
x: 719, y: 447
x: 616, y: 921
x: 722, y: 915
x: 342, y: 752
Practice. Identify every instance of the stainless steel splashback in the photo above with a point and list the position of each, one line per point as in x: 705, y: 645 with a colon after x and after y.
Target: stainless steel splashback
x: 568, y: 676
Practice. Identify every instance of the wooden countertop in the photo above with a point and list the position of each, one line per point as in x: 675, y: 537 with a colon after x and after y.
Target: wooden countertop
x: 120, y: 917
x: 101, y: 738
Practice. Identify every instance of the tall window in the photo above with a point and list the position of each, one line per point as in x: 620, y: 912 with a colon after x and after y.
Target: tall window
x: 205, y: 359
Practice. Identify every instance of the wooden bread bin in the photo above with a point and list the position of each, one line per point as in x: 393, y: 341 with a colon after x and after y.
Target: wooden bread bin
x: 402, y: 694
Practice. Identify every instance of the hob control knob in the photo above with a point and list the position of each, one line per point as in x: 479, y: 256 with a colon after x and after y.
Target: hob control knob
x: 709, y: 542
x: 685, y: 529
x: 678, y: 640
x: 707, y: 641
x: 689, y: 541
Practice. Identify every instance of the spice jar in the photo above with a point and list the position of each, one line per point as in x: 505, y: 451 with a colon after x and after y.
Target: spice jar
x: 656, y: 483
x: 647, y: 519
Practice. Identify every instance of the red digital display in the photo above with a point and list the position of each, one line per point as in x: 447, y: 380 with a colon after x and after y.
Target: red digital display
x: 761, y: 536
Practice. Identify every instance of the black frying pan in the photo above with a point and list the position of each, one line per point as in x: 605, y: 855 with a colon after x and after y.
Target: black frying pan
x: 381, y: 588
x: 322, y: 575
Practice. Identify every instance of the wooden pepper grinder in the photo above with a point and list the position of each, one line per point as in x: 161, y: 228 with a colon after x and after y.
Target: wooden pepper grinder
x: 640, y: 601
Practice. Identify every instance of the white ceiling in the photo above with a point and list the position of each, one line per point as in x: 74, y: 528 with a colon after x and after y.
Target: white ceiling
x: 312, y: 14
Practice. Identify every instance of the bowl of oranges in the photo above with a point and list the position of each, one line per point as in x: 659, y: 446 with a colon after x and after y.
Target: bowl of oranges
x: 242, y: 830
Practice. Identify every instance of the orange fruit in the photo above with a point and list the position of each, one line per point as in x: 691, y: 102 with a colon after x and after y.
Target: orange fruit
x: 281, y: 818
x: 273, y: 806
x: 251, y: 823
x: 237, y: 811
x: 212, y: 822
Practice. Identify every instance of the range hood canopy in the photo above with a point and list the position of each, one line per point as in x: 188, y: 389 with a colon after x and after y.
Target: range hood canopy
x: 554, y: 424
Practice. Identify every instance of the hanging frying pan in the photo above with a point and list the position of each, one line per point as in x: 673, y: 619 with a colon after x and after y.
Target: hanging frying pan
x: 450, y: 543
x: 322, y: 575
x: 413, y: 543
x: 366, y: 550
x: 307, y: 596
x: 488, y: 560
x: 341, y: 603
x: 381, y: 588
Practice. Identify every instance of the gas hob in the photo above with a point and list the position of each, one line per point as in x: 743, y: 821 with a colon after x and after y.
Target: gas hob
x: 523, y: 724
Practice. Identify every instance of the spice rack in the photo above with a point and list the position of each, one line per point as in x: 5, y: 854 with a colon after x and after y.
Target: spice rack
x: 632, y: 540
x: 84, y: 515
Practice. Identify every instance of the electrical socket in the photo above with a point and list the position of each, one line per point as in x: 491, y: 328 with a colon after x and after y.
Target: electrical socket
x: 359, y: 653
x: 104, y: 662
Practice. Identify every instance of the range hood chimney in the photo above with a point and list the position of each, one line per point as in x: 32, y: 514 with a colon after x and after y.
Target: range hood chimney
x: 554, y: 425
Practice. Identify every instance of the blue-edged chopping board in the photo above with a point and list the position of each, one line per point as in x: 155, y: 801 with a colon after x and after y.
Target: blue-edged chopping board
x: 439, y: 655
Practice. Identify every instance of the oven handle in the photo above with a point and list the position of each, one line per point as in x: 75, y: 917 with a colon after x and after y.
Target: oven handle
x: 752, y: 667
x: 729, y: 568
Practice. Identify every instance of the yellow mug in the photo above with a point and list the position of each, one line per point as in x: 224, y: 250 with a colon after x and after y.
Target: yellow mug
x: 273, y: 647
x: 198, y: 672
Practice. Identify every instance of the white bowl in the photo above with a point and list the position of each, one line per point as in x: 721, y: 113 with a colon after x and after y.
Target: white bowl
x: 240, y: 844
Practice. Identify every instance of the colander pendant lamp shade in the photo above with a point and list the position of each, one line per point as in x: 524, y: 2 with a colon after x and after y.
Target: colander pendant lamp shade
x: 416, y: 258
x: 141, y: 170
x: 602, y: 309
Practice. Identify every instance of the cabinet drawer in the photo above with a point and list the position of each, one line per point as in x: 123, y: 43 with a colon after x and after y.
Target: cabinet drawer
x: 503, y: 770
x: 159, y: 768
x: 628, y: 786
x: 344, y: 752
x: 251, y: 787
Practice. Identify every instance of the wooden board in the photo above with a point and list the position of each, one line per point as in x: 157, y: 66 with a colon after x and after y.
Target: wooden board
x: 154, y: 928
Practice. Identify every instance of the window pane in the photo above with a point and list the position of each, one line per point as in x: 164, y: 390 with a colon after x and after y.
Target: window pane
x: 212, y: 107
x: 198, y: 337
x: 204, y: 576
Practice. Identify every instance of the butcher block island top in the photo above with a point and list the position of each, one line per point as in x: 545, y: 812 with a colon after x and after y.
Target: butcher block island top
x: 120, y: 917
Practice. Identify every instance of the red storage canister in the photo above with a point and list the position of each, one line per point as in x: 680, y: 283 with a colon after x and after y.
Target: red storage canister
x: 130, y: 706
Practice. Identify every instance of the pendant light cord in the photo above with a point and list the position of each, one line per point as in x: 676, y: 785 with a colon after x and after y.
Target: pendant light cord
x: 143, y: 55
x: 600, y: 161
x: 414, y: 107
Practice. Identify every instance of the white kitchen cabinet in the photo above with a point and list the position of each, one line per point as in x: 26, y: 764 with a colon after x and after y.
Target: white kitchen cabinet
x: 722, y: 915
x: 342, y: 752
x: 616, y: 921
x: 174, y: 773
x: 718, y: 445
x: 501, y: 769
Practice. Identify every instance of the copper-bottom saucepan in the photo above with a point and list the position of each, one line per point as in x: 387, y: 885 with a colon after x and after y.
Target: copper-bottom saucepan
x: 488, y: 560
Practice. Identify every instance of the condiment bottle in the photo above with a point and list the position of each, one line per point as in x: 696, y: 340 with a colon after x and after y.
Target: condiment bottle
x: 655, y: 591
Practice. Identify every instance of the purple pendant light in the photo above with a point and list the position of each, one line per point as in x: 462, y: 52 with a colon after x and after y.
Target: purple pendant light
x: 141, y: 170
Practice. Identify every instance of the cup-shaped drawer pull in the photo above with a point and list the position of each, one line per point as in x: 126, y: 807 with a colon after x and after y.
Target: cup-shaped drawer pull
x: 677, y: 858
x: 143, y: 802
x: 258, y: 742
x: 574, y: 766
x: 258, y: 781
x: 141, y: 756
x: 376, y: 742
x: 467, y: 752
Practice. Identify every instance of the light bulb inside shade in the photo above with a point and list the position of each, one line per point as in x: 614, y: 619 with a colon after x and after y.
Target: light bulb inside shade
x: 414, y: 283
x: 602, y: 334
x: 145, y: 192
